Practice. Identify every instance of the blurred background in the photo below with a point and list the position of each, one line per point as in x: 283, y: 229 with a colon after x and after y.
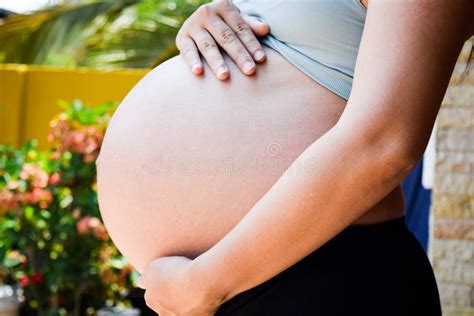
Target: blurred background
x: 102, y: 34
x: 64, y: 67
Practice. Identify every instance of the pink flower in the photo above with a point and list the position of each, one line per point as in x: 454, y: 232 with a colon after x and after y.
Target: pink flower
x: 41, y: 195
x: 54, y: 179
x: 59, y: 127
x: 37, y: 195
x: 70, y: 136
x: 91, y: 157
x: 56, y: 155
x: 91, y: 224
x: 94, y: 222
x: 34, y: 173
x: 8, y: 200
x: 78, y: 137
x: 82, y: 225
x: 76, y: 213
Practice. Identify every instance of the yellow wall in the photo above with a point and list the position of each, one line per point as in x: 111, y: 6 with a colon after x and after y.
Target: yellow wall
x: 29, y: 95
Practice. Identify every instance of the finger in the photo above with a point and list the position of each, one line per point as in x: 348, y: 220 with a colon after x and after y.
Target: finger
x: 208, y: 48
x: 229, y: 41
x: 151, y: 303
x: 165, y: 312
x: 244, y: 33
x: 258, y: 27
x: 189, y: 52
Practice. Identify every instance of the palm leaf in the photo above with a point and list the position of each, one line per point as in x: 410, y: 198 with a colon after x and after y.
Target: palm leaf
x: 142, y: 36
x: 125, y: 33
x: 52, y: 35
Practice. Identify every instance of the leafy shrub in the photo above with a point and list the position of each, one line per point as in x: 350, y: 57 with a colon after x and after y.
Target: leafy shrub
x: 53, y: 243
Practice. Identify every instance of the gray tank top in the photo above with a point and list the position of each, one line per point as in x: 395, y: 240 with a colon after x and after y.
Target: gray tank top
x: 320, y: 37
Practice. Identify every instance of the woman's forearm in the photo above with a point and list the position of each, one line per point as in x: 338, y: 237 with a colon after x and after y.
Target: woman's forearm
x: 330, y: 185
x: 407, y: 53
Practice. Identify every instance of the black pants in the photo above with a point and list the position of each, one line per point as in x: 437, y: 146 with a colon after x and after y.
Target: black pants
x: 377, y: 269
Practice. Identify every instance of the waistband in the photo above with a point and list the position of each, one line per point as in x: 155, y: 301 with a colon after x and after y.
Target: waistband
x: 399, y: 222
x: 372, y: 231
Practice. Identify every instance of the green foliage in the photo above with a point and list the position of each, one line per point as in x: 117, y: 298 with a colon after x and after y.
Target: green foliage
x: 142, y: 36
x: 53, y: 242
x: 76, y: 111
x: 125, y: 33
x: 53, y: 36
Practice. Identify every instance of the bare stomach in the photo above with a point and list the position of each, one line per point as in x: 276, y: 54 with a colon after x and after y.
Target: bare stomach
x: 186, y: 157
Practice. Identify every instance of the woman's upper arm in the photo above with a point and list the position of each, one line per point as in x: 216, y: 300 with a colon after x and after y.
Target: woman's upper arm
x: 406, y: 57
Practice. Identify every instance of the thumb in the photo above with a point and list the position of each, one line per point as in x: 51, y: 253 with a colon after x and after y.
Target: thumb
x: 259, y: 27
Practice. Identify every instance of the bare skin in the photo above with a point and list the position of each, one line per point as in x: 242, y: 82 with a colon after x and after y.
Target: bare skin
x: 407, y: 54
x: 357, y: 159
x: 186, y: 157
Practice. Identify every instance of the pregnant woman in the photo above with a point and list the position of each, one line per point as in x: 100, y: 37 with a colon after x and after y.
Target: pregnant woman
x: 273, y: 188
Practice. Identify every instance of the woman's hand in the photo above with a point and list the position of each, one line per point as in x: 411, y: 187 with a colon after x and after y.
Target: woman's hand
x: 221, y: 22
x: 171, y: 289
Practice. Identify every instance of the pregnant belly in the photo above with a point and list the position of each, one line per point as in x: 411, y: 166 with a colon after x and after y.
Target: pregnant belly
x: 185, y: 157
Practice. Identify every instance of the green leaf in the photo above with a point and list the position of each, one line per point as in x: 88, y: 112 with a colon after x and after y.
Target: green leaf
x: 29, y: 213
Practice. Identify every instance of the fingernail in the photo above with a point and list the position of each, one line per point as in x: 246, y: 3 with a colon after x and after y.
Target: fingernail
x: 259, y: 55
x: 195, y: 68
x: 221, y: 72
x: 248, y: 66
